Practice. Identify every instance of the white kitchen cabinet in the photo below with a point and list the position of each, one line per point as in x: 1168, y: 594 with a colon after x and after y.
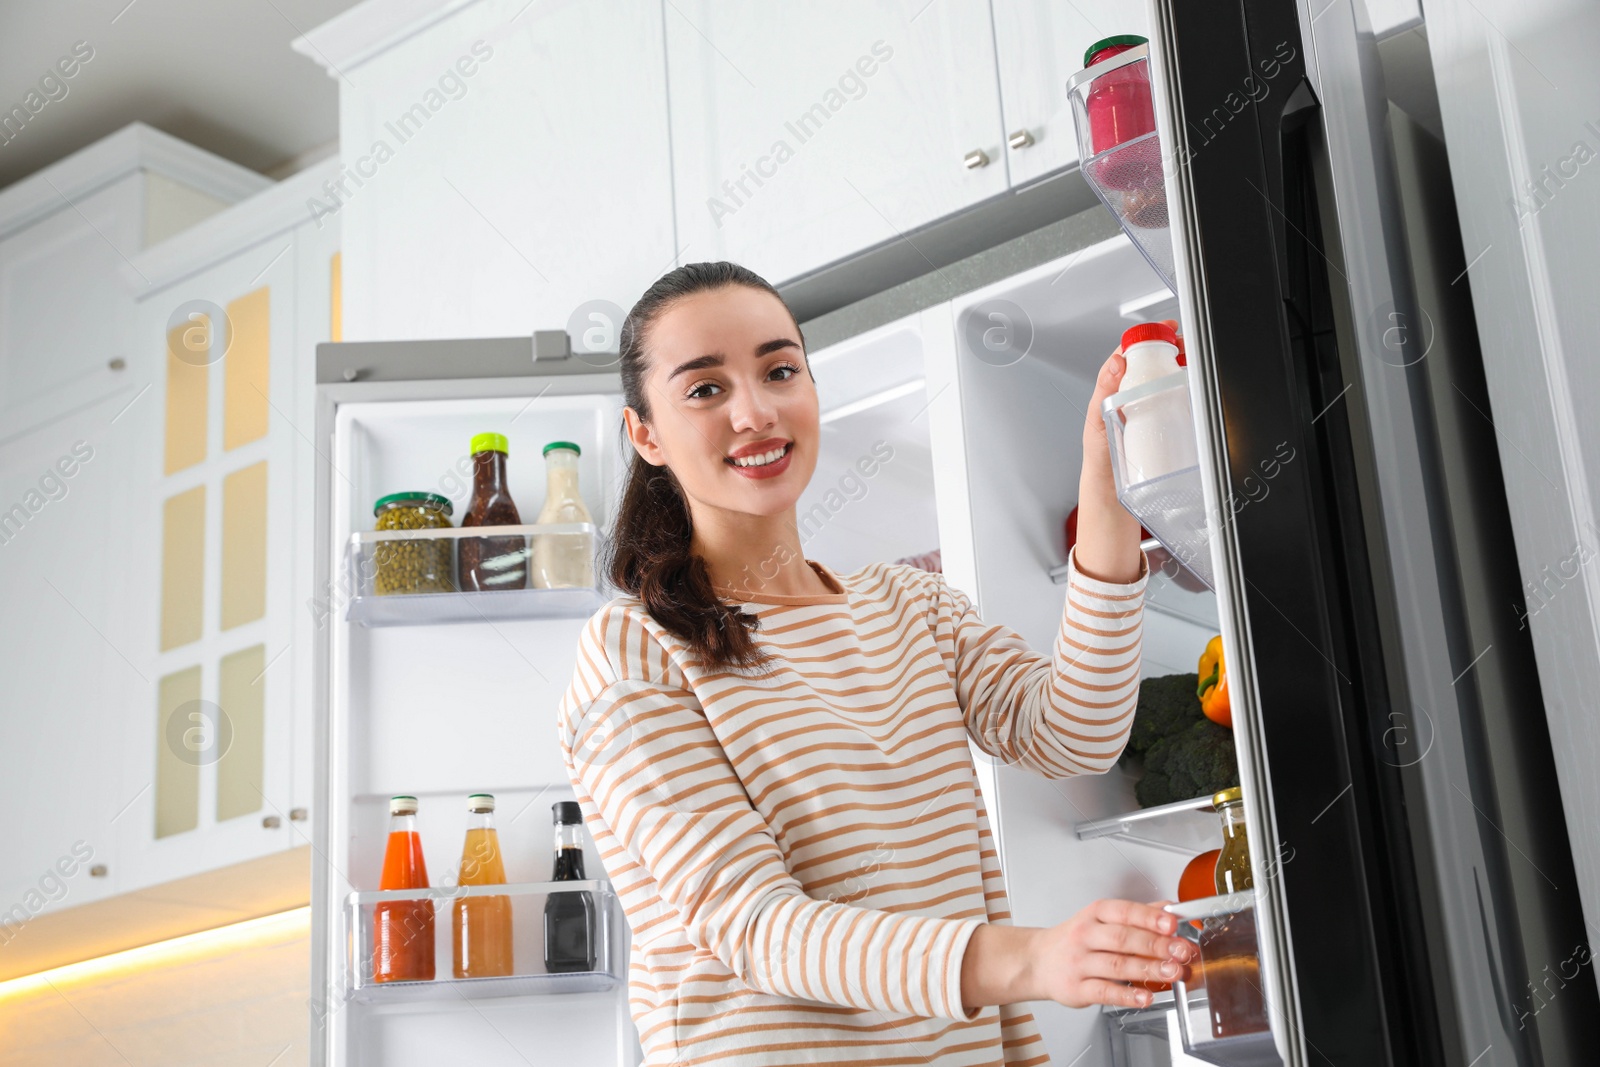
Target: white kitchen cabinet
x: 70, y: 443
x: 804, y: 133
x: 1040, y: 44
x: 506, y: 164
x: 218, y: 616
x: 66, y: 233
x: 67, y: 680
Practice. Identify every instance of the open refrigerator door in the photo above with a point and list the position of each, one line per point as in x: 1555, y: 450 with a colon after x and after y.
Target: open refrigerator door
x: 434, y: 692
x: 1384, y: 923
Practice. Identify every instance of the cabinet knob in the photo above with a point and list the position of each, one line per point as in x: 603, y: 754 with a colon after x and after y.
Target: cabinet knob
x: 117, y: 363
x: 297, y: 814
x: 271, y: 822
x: 1020, y: 139
x: 976, y: 158
x: 97, y: 871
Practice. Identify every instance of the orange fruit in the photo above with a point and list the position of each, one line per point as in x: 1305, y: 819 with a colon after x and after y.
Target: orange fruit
x: 1199, y: 877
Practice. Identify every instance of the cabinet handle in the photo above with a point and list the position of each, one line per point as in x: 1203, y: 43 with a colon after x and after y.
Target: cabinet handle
x: 97, y: 871
x: 271, y: 822
x: 976, y: 158
x: 297, y: 814
x: 1020, y: 139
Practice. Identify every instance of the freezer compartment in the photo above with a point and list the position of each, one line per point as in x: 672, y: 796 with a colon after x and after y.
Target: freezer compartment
x: 1155, y: 458
x: 409, y: 577
x: 1121, y: 152
x: 1223, y: 1013
x: 535, y: 913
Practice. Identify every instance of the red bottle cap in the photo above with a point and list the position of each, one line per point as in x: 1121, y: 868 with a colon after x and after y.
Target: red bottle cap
x: 1149, y: 331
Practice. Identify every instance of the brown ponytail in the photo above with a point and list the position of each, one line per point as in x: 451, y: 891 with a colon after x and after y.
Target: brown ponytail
x: 649, y: 555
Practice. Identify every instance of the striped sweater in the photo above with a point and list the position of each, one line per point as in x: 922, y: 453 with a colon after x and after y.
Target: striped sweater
x: 803, y: 856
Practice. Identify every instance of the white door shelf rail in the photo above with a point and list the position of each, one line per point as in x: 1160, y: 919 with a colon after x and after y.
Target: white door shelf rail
x: 527, y: 902
x: 368, y: 554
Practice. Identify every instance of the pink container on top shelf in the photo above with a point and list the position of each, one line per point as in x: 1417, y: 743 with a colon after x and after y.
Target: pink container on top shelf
x: 1119, y: 104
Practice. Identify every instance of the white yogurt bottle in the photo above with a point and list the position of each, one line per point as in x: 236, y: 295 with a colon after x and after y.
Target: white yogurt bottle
x: 1158, y: 430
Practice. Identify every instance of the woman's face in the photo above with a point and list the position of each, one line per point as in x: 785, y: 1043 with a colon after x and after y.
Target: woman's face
x: 733, y: 410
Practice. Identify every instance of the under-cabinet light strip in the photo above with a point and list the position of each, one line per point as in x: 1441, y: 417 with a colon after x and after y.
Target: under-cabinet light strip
x: 186, y: 948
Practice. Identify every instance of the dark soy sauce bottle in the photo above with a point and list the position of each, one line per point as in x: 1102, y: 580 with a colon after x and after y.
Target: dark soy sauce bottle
x: 569, y: 934
x: 488, y: 563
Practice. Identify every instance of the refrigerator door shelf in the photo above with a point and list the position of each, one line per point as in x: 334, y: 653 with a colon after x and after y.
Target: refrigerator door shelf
x: 1228, y: 1022
x: 1127, y: 176
x: 526, y: 907
x: 1157, y: 469
x: 1162, y: 562
x: 407, y: 577
x: 1138, y: 1036
x: 1187, y: 827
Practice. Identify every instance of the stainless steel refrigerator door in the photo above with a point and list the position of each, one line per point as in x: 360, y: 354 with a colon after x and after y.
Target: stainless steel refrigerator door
x: 1397, y: 934
x: 1292, y: 275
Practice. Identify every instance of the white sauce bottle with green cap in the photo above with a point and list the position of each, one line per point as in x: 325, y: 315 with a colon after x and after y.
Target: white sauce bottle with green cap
x: 562, y: 560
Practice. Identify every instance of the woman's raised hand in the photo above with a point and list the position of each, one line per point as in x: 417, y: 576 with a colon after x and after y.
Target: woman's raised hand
x: 1091, y: 958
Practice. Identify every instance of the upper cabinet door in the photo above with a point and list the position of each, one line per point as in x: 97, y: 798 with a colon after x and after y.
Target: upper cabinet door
x: 1041, y: 44
x: 805, y: 132
x: 510, y: 171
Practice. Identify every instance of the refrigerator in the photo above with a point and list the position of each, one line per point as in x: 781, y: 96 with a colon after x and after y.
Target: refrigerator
x: 1414, y: 900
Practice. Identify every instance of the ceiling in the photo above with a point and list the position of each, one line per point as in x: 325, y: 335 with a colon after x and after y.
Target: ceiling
x: 216, y: 73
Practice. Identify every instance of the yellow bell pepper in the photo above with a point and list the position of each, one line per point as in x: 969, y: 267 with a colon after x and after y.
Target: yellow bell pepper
x: 1213, y: 691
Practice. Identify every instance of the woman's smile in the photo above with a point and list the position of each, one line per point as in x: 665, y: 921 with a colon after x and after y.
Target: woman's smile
x: 762, y: 459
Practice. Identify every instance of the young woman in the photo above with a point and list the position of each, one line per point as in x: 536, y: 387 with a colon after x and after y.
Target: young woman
x: 773, y: 759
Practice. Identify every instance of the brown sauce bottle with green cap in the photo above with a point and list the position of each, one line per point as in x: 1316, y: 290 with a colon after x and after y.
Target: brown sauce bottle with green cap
x: 486, y: 564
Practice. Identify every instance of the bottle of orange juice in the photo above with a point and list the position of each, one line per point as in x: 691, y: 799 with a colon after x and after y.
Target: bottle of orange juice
x: 482, y: 924
x: 402, y: 930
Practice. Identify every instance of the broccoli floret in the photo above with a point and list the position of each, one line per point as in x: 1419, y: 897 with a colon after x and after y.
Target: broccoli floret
x: 1167, y: 705
x: 1194, y: 763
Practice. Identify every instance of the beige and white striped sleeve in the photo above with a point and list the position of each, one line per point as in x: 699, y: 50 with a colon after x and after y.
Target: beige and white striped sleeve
x: 642, y: 756
x: 1061, y: 715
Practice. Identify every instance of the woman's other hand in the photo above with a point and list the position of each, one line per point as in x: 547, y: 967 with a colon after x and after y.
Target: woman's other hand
x: 1091, y: 958
x: 1108, y: 537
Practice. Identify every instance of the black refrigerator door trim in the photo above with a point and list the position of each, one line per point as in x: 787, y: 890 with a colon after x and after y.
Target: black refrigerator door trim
x: 1344, y: 858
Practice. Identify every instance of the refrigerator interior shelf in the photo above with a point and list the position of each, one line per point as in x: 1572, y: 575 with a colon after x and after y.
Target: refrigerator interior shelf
x: 407, y: 577
x: 525, y: 907
x: 1188, y: 827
